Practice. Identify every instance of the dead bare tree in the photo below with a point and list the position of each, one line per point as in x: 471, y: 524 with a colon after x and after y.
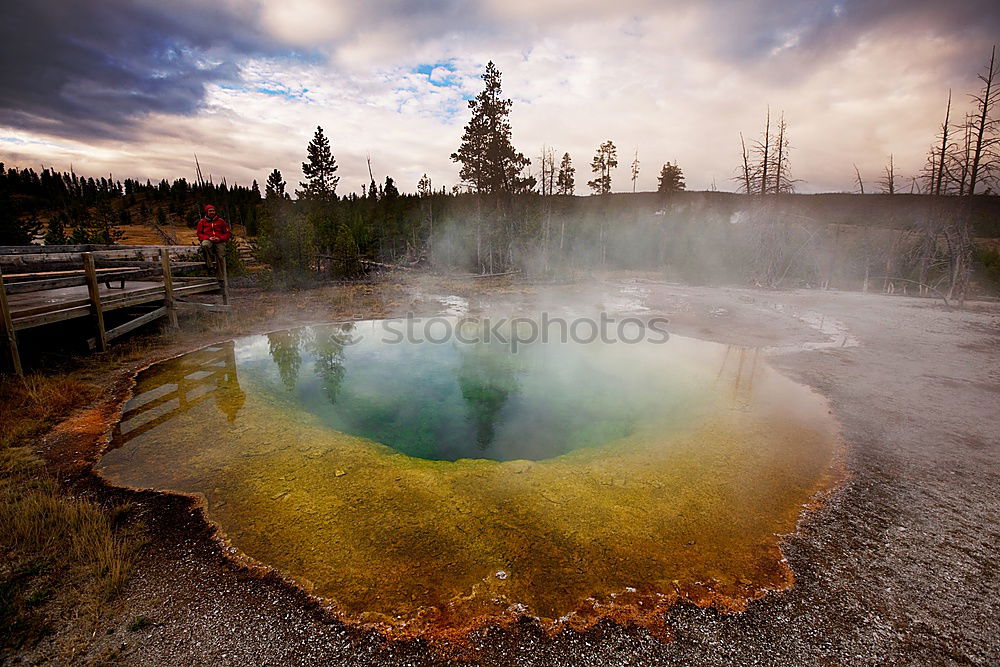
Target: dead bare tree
x: 958, y: 236
x: 765, y: 166
x: 935, y: 175
x: 783, y: 182
x: 745, y: 176
x: 762, y: 147
x: 936, y: 179
x: 961, y: 160
x: 547, y: 177
x: 888, y: 180
x: 860, y: 183
x: 547, y: 182
x: 984, y: 128
x: 984, y: 140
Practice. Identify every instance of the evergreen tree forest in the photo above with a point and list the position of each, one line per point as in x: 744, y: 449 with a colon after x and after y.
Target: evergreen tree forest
x: 67, y: 208
x: 504, y: 217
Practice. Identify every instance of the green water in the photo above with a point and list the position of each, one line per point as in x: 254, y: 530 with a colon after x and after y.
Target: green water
x: 455, y: 400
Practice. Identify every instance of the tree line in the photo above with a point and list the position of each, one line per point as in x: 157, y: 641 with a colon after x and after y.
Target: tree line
x: 63, y: 207
x: 502, y: 215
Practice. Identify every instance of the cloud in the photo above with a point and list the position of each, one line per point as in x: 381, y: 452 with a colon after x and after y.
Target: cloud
x: 94, y: 71
x: 136, y: 87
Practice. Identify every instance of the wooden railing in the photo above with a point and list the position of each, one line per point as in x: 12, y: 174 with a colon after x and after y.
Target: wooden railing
x: 28, y: 269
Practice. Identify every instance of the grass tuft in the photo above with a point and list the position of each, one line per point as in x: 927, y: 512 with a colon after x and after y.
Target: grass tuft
x: 56, y: 552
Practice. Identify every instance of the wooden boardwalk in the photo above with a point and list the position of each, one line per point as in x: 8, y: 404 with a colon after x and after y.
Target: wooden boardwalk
x: 42, y: 285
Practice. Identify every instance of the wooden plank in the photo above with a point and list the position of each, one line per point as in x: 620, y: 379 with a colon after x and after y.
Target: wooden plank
x: 95, y: 300
x: 27, y: 316
x: 155, y: 294
x: 194, y: 288
x: 168, y: 289
x: 95, y: 248
x: 51, y: 316
x: 42, y: 274
x: 204, y: 307
x: 39, y: 249
x: 137, y: 299
x: 27, y: 286
x: 20, y: 311
x: 9, y: 333
x: 136, y: 323
x: 147, y: 263
x: 144, y: 253
x: 132, y: 297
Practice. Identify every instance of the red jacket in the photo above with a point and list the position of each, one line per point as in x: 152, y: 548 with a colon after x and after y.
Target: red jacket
x: 216, y: 227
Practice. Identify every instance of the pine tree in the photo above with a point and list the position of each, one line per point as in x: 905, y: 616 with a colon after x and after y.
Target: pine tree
x: 56, y: 233
x: 275, y: 186
x: 604, y: 161
x: 346, y: 251
x: 635, y: 168
x: 390, y: 191
x: 566, y: 182
x: 670, y: 180
x: 490, y: 163
x: 124, y: 216
x: 424, y: 186
x: 320, y: 171
x: 14, y: 230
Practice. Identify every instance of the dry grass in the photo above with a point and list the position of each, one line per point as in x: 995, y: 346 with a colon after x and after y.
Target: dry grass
x: 31, y: 405
x: 43, y: 524
x: 58, y: 552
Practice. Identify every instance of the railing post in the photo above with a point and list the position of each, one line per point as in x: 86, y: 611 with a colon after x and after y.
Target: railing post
x: 168, y: 288
x: 95, y: 300
x: 220, y: 249
x: 10, y: 336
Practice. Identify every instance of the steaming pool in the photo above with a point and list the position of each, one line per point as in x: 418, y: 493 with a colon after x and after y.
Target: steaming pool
x: 430, y: 489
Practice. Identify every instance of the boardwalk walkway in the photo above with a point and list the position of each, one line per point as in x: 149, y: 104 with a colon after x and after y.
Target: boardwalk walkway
x: 41, y: 285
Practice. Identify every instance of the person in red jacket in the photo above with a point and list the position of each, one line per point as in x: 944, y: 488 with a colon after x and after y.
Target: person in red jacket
x: 213, y: 232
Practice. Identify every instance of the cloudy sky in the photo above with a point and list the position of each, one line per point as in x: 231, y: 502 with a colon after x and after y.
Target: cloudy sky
x: 136, y: 87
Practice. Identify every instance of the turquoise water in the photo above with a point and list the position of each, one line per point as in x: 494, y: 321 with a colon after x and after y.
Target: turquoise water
x: 454, y: 400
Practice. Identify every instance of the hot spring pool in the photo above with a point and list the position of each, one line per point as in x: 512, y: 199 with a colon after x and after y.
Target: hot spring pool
x: 429, y: 489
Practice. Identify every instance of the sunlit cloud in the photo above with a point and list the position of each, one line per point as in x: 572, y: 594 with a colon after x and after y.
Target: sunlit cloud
x: 138, y: 90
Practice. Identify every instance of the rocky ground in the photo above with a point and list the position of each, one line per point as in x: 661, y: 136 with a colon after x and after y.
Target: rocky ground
x: 899, y: 565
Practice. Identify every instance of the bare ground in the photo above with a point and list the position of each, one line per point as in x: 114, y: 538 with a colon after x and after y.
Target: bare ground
x: 899, y: 565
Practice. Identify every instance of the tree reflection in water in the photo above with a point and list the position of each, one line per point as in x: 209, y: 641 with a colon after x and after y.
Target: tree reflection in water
x: 327, y: 345
x: 487, y: 376
x: 283, y: 346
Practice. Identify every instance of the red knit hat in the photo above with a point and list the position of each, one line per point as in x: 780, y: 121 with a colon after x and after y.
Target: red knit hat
x: 209, y: 206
